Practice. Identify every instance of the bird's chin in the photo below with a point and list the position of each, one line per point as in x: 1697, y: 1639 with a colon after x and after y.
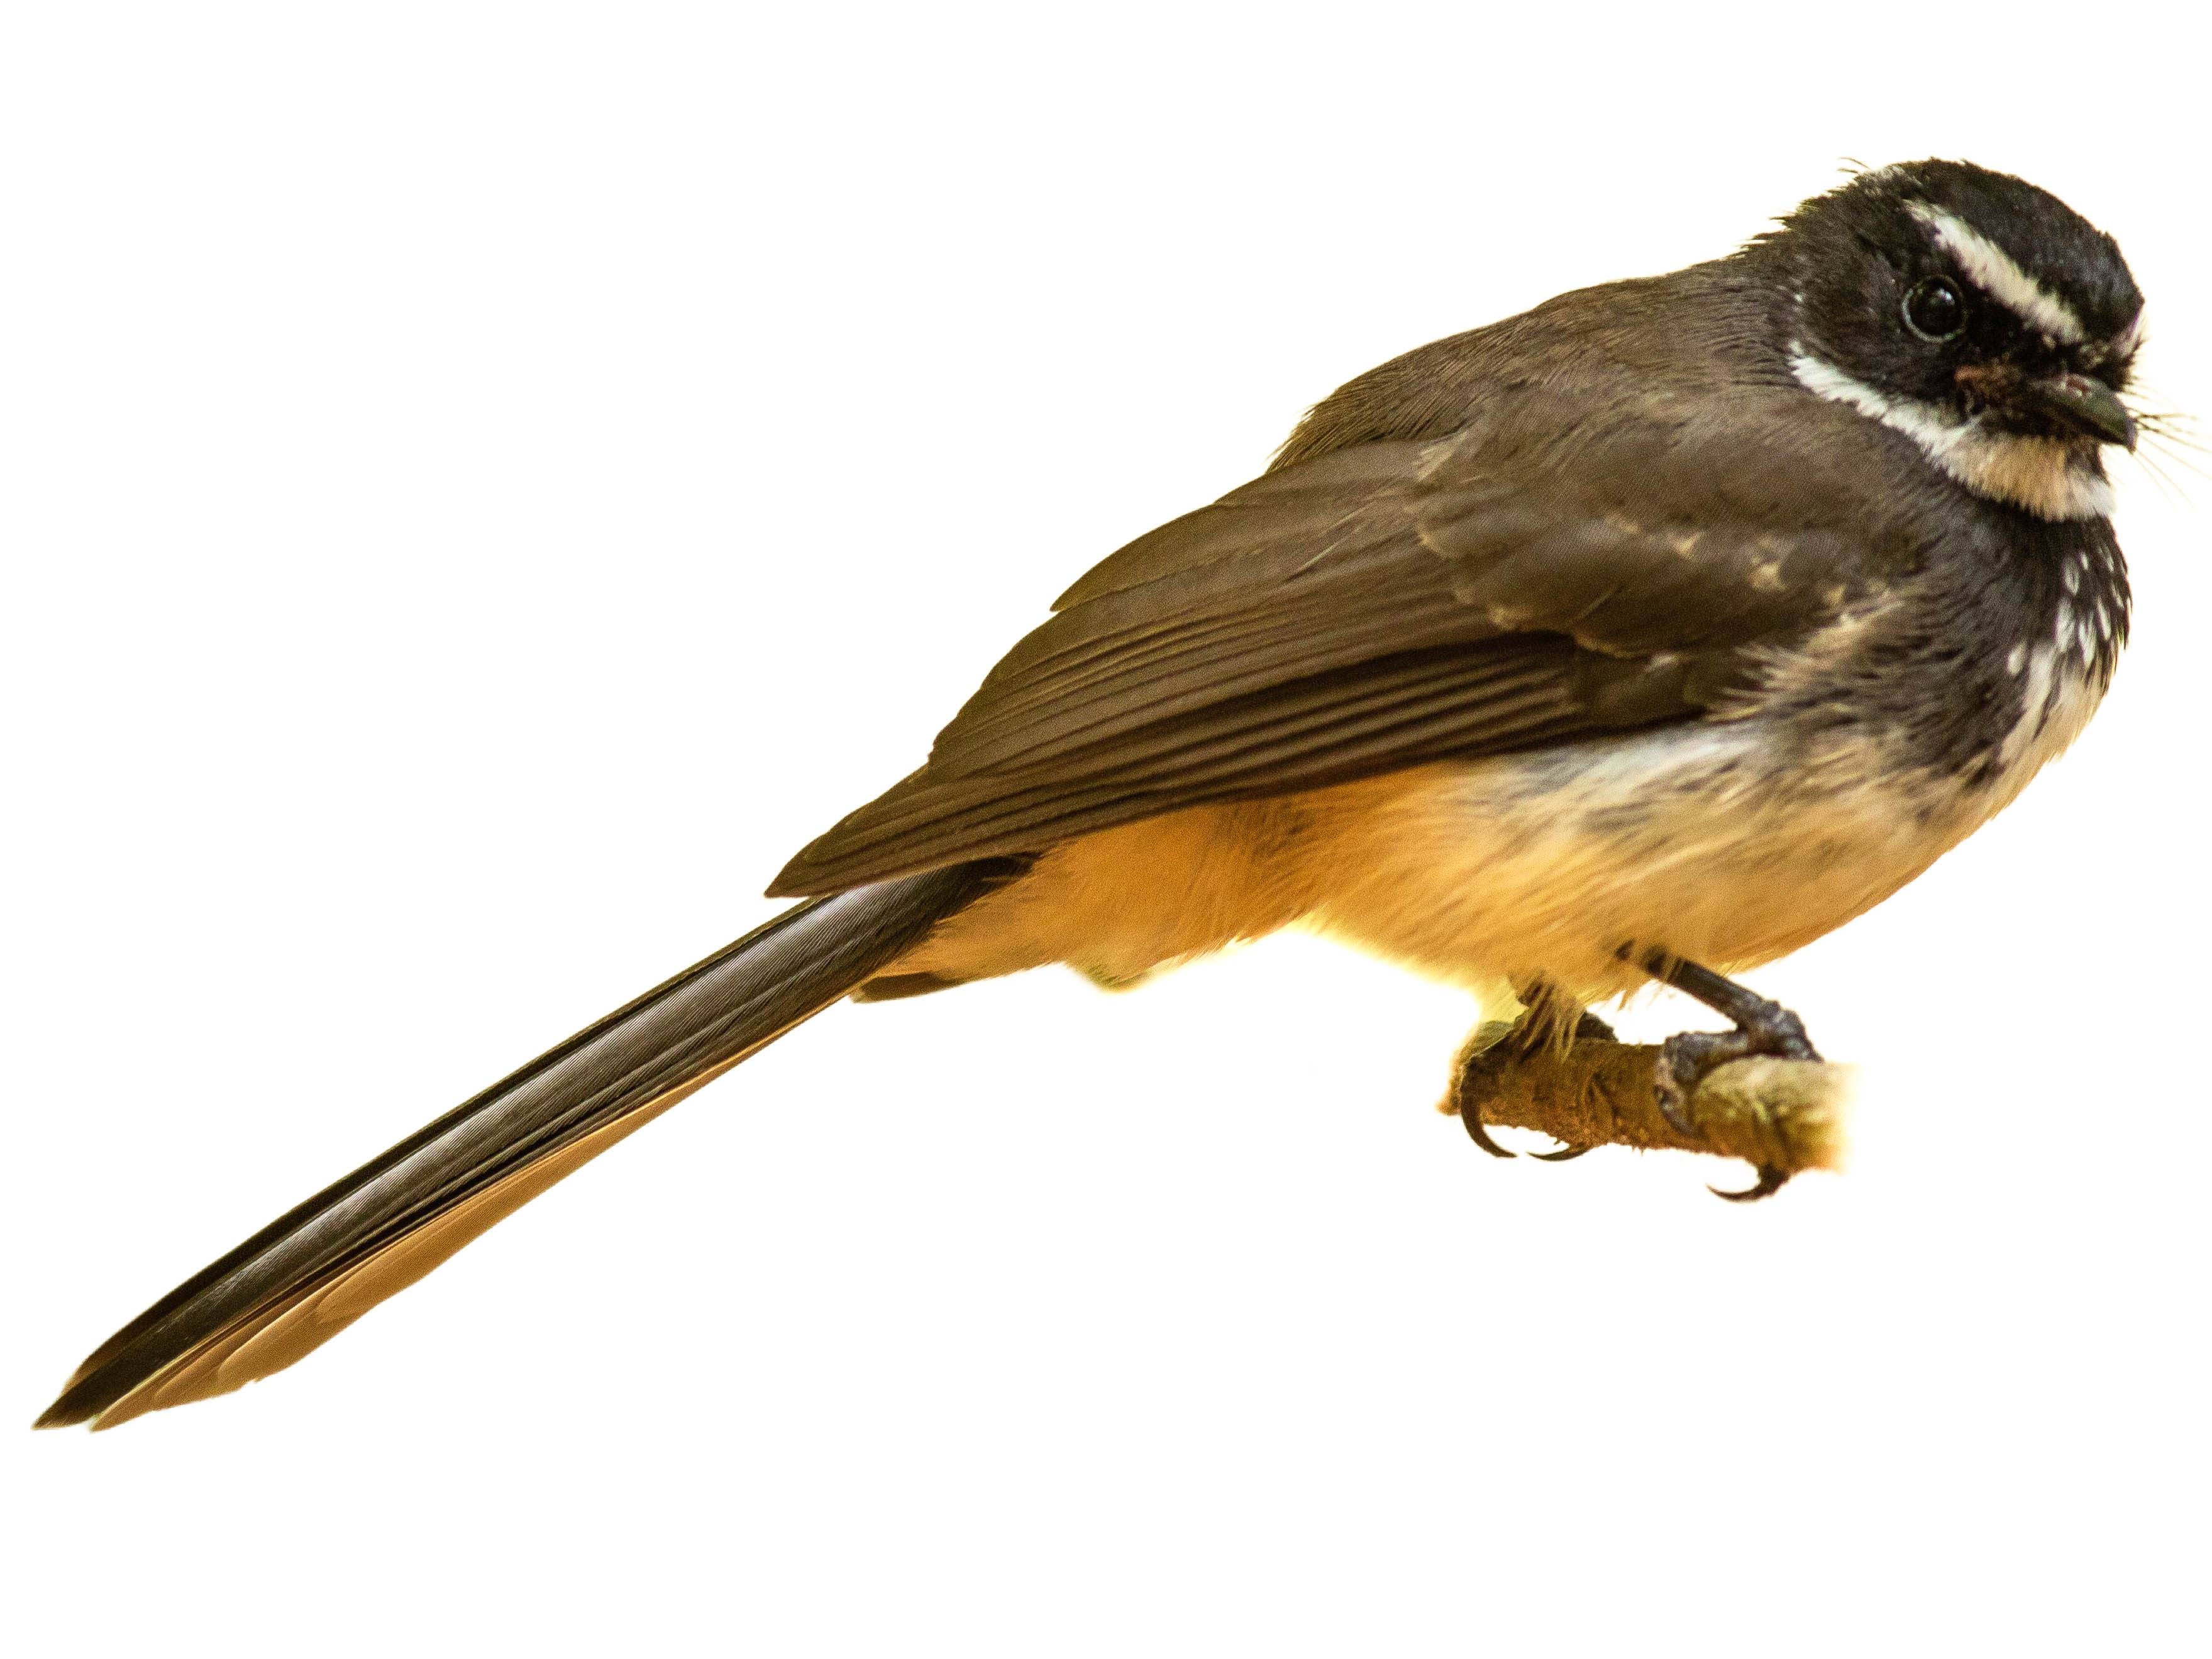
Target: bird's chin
x: 2057, y: 477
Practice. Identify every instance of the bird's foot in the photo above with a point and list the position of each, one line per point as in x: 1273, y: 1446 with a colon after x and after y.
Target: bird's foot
x: 1529, y: 1034
x: 1762, y: 1028
x: 1685, y: 1058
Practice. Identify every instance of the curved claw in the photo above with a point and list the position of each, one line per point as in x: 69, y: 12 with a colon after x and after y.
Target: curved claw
x: 1761, y: 1028
x: 1479, y: 1133
x: 1771, y: 1181
x: 1544, y: 1002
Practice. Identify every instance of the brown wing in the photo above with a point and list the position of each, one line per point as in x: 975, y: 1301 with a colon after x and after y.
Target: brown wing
x: 1534, y: 578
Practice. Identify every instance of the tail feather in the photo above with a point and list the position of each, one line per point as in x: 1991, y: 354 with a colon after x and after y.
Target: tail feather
x: 308, y: 1274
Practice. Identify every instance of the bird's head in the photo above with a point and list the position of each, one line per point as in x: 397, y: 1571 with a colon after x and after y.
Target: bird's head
x: 1979, y: 315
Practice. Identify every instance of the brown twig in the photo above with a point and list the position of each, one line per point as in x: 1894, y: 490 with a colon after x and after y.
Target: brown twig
x: 1785, y: 1114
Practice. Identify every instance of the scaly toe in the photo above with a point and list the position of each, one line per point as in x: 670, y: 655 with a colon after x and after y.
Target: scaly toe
x: 1683, y: 1059
x: 1786, y: 1040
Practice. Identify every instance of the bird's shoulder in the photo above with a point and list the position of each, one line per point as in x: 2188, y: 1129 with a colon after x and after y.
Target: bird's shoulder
x: 1698, y: 330
x: 1591, y: 541
x: 1566, y: 447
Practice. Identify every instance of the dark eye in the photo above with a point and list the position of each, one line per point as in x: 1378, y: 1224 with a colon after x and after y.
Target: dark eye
x: 1934, y: 310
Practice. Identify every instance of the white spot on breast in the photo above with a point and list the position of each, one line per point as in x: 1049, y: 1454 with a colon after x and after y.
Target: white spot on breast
x: 2034, y: 698
x: 2016, y: 659
x: 2057, y: 700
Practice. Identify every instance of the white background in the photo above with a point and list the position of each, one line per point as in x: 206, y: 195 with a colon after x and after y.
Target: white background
x: 483, y: 485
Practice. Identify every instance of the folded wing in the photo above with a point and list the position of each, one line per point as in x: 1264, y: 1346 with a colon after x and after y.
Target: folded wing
x: 1523, y: 582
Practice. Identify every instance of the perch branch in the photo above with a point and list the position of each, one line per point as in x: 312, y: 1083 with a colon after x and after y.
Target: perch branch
x: 1788, y: 1114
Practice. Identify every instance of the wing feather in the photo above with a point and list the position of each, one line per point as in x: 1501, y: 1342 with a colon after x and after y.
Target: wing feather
x: 1527, y: 581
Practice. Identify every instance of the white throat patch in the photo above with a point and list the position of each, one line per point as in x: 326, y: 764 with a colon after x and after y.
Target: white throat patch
x: 2050, y: 477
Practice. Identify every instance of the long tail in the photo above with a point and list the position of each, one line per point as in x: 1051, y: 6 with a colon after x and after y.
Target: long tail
x: 308, y: 1275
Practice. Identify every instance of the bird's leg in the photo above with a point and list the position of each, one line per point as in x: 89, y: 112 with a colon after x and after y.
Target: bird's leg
x: 1761, y: 1028
x: 1549, y: 1009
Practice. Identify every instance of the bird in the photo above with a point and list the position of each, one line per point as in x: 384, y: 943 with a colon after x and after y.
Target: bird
x: 1638, y: 638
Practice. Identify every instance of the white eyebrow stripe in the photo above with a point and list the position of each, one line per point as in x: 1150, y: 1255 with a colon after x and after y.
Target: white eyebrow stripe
x: 1997, y: 275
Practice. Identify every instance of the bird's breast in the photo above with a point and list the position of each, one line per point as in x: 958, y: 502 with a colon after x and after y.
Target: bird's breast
x: 1731, y: 844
